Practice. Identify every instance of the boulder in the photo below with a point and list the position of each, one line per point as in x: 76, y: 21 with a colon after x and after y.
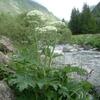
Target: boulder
x: 4, y: 58
x: 87, y: 47
x: 66, y: 49
x: 5, y: 92
x: 6, y: 45
x: 97, y: 90
x: 69, y: 48
x: 58, y: 52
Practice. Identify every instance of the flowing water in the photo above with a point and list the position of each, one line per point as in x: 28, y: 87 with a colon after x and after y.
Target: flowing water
x: 87, y: 59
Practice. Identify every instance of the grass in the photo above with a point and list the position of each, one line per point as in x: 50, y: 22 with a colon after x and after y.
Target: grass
x: 87, y: 39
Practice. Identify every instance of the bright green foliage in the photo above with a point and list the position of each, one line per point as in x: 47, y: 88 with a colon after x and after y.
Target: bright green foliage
x: 32, y: 74
x: 19, y: 28
x: 92, y: 40
x: 10, y: 27
x: 22, y: 28
x: 64, y: 34
x: 34, y: 81
x: 4, y: 71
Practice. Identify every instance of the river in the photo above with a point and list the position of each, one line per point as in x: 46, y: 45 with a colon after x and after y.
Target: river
x: 87, y: 59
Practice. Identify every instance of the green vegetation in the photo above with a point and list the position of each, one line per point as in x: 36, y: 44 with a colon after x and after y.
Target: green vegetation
x: 92, y: 40
x: 31, y: 73
x: 83, y: 22
x: 96, y: 13
x: 36, y: 81
x: 15, y: 7
x: 86, y: 22
x: 19, y: 6
x: 34, y: 78
x: 19, y: 28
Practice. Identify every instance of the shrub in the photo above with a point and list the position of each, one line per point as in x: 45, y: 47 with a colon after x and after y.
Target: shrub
x: 34, y: 80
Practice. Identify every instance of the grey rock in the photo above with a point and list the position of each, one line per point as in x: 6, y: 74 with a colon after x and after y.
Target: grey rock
x: 4, y: 58
x: 97, y: 90
x: 87, y: 47
x: 69, y: 48
x: 6, y: 45
x: 5, y: 92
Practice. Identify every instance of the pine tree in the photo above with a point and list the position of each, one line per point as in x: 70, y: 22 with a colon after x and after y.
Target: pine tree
x: 84, y: 22
x: 88, y: 23
x: 96, y: 13
x: 74, y: 23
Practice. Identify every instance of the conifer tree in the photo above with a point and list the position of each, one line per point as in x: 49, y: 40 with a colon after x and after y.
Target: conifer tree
x: 74, y: 23
x: 88, y: 23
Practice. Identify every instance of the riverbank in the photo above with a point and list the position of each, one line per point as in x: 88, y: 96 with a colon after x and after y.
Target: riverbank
x: 87, y: 40
x: 86, y: 59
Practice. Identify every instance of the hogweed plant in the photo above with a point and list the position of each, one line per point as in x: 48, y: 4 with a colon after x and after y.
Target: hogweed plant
x: 38, y: 80
x: 35, y: 78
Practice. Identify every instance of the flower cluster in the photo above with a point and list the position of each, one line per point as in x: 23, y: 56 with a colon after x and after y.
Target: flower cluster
x: 37, y: 13
x: 34, y: 12
x: 56, y: 23
x: 47, y: 29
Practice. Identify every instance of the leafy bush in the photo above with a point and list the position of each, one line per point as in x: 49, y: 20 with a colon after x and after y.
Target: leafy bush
x: 34, y: 80
x: 32, y: 74
x: 10, y: 27
x: 21, y: 28
x: 18, y: 28
x: 62, y: 30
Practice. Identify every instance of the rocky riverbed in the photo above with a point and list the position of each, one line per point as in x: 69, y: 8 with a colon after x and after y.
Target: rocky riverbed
x: 77, y: 56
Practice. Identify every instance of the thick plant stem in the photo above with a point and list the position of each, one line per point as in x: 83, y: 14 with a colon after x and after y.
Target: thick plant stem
x: 51, y: 56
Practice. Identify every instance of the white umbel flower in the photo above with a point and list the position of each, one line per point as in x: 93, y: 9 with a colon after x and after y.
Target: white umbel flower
x: 34, y: 12
x: 37, y: 13
x: 47, y: 28
x: 56, y: 23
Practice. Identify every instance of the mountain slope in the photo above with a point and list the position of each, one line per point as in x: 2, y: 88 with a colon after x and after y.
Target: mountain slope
x: 92, y: 7
x: 96, y: 10
x: 96, y: 13
x: 18, y: 6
